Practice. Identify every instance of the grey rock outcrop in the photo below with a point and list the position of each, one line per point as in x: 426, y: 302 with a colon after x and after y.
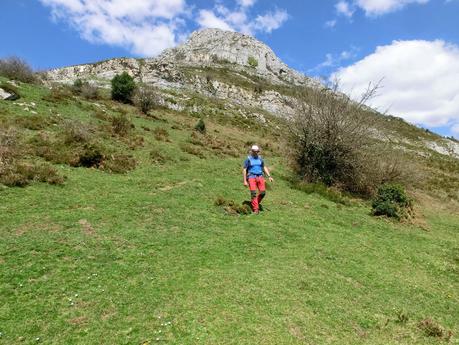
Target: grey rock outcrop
x: 4, y: 94
x: 185, y: 66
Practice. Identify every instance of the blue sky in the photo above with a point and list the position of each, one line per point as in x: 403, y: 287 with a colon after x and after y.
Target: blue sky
x: 413, y: 45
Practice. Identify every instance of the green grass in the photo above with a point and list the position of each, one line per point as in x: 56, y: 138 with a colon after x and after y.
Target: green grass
x: 147, y: 257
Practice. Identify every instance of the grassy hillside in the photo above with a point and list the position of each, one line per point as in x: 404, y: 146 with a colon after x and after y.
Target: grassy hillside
x: 147, y: 257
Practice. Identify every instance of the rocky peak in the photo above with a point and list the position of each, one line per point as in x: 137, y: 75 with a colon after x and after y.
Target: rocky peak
x: 215, y: 46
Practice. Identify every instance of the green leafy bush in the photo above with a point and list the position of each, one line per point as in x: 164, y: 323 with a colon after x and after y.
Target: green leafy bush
x: 252, y: 62
x: 391, y: 201
x: 123, y: 87
x: 200, y: 126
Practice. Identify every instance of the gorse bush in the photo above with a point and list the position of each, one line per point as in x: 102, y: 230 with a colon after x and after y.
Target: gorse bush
x: 123, y: 87
x: 392, y: 201
x: 17, y: 69
x: 200, y: 126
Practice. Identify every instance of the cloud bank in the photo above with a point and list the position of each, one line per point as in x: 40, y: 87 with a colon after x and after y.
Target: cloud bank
x: 420, y: 81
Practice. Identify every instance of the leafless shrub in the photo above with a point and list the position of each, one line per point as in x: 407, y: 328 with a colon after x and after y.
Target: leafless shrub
x: 146, y: 98
x: 8, y: 147
x: 121, y: 125
x: 90, y: 91
x: 76, y: 132
x: 17, y: 69
x: 331, y: 141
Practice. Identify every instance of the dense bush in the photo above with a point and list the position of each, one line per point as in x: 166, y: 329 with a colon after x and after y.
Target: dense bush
x: 123, y: 87
x: 146, y: 98
x: 200, y: 126
x: 17, y: 69
x: 392, y: 201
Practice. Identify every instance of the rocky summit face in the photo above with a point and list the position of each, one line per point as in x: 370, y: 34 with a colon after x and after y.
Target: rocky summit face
x: 205, y: 48
x: 213, y: 63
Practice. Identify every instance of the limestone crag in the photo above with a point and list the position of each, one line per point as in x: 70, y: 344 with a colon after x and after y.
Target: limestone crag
x: 242, y: 55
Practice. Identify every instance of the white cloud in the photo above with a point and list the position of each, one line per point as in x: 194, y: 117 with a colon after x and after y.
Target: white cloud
x: 238, y: 19
x: 147, y: 27
x: 373, y: 7
x: 330, y: 23
x: 335, y: 60
x: 246, y: 3
x: 270, y: 21
x: 344, y: 8
x: 420, y: 80
x: 378, y: 7
x: 208, y: 19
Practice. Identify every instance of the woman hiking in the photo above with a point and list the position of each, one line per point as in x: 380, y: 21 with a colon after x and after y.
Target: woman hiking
x: 253, y: 171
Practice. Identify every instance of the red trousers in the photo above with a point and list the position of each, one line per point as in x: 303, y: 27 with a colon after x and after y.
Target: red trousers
x: 254, y: 184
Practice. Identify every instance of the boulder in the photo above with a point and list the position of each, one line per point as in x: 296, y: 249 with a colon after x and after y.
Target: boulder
x: 8, y: 95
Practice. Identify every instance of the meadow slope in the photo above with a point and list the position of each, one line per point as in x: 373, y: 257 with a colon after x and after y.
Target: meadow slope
x: 147, y: 257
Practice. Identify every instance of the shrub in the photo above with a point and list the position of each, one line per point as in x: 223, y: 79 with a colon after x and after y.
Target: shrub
x: 91, y: 156
x: 121, y: 125
x: 231, y: 207
x: 391, y: 201
x: 192, y: 150
x: 200, y: 126
x: 146, y: 98
x: 157, y: 157
x: 8, y: 147
x: 123, y: 87
x: 119, y: 164
x: 90, y: 91
x: 252, y: 62
x: 60, y: 93
x: 17, y: 69
x: 433, y: 329
x: 161, y: 134
x: 15, y: 173
x: 330, y: 140
x: 32, y: 122
x: 76, y: 132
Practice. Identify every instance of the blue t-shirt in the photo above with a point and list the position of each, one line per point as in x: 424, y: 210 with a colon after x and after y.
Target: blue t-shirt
x: 254, y: 166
